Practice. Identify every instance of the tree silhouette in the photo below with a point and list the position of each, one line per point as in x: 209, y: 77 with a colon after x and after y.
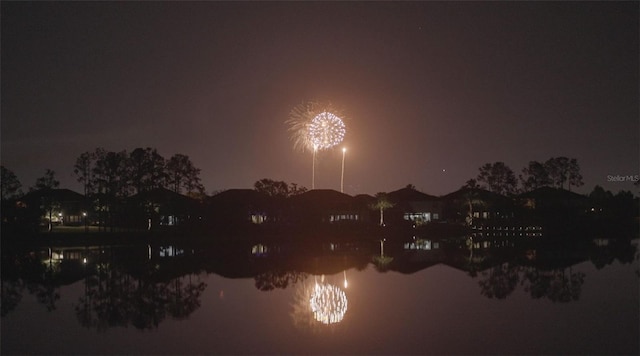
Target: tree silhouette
x: 10, y: 184
x: 272, y: 188
x: 48, y: 181
x: 83, y: 169
x: 534, y: 176
x: 563, y: 170
x: 498, y: 178
x: 48, y: 203
x: 181, y: 173
x: 147, y: 169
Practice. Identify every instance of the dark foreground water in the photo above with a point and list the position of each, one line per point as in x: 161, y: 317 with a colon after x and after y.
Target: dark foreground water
x: 406, y: 297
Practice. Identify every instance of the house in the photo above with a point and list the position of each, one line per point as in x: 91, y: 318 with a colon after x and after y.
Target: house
x: 163, y: 207
x: 365, y: 203
x: 414, y: 206
x: 324, y: 206
x: 477, y: 206
x: 55, y: 206
x: 548, y: 198
x: 238, y: 207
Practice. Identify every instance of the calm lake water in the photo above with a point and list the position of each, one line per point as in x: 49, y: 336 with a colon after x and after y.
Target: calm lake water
x: 377, y: 297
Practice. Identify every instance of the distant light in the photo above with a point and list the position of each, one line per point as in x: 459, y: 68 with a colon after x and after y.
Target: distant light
x: 84, y: 213
x: 84, y: 260
x: 344, y: 149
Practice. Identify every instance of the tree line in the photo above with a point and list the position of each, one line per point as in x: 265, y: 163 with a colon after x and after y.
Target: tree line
x: 119, y: 174
x: 143, y: 169
x: 556, y: 172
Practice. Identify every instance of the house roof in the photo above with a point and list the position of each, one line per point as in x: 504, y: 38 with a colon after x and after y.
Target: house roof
x: 364, y: 200
x: 163, y: 195
x: 60, y: 195
x: 477, y: 193
x: 237, y: 196
x: 409, y: 195
x: 549, y: 193
x: 323, y: 198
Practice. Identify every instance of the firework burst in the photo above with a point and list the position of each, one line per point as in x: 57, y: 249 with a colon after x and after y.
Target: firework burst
x: 326, y: 130
x: 315, y: 126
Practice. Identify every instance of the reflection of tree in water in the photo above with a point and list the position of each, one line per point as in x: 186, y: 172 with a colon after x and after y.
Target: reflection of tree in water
x: 184, y: 299
x: 559, y: 285
x: 621, y: 250
x: 381, y: 262
x: 473, y: 261
x: 46, y: 293
x: 11, y: 295
x: 113, y: 298
x: 108, y: 295
x: 30, y: 273
x: 637, y: 258
x: 301, y: 312
x: 277, y: 278
x: 602, y: 259
x: 500, y: 281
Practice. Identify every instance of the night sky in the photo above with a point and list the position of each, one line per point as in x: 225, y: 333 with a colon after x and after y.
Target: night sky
x: 432, y: 90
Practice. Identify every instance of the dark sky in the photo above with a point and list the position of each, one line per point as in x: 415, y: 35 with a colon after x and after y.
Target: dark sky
x: 432, y: 90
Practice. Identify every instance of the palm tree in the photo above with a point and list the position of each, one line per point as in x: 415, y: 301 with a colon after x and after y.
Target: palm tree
x: 471, y: 198
x: 382, y: 203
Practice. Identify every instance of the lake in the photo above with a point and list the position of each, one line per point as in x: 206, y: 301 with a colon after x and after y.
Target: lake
x: 455, y: 296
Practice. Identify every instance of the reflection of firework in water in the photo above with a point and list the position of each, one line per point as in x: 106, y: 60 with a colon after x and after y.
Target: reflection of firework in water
x: 319, y: 307
x: 328, y: 303
x: 326, y: 130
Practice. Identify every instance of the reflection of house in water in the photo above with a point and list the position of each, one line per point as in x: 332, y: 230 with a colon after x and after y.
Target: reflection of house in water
x: 416, y: 255
x: 58, y: 255
x: 170, y: 251
x: 260, y: 250
x: 506, y: 231
x: 422, y: 244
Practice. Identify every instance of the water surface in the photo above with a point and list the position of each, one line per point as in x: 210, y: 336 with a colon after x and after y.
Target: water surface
x: 414, y: 298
